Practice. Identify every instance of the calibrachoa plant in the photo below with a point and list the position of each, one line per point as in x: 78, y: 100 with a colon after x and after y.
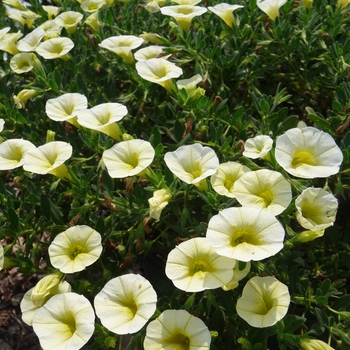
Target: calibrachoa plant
x: 178, y: 171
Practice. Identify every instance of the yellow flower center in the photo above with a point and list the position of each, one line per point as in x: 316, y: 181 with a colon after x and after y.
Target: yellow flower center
x: 57, y: 48
x: 68, y: 327
x: 200, y: 266
x: 243, y: 236
x: 267, y: 197
x: 178, y: 342
x: 265, y: 305
x: 78, y: 249
x: 129, y: 306
x: 301, y: 158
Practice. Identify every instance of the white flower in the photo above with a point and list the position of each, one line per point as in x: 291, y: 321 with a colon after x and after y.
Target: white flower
x: 225, y: 12
x: 152, y: 51
x: 225, y: 177
x: 66, y: 321
x: 237, y: 276
x: 271, y: 7
x: 128, y: 158
x: 12, y: 153
x: 158, y: 202
x: 316, y: 209
x: 194, y: 266
x: 308, y: 153
x: 55, y: 48
x: 69, y: 20
x: 192, y: 163
x: 245, y: 233
x: 258, y: 146
x: 264, y: 301
x: 126, y: 303
x: 31, y: 40
x: 264, y: 189
x: 21, y: 63
x: 75, y: 249
x: 177, y: 330
x: 2, y: 123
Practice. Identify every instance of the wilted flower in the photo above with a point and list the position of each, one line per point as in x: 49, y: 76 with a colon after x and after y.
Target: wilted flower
x: 271, y: 7
x: 12, y: 153
x: 69, y: 20
x: 316, y: 209
x: 245, y: 233
x: 183, y: 14
x: 258, y: 146
x: 52, y: 11
x: 66, y: 321
x: 308, y: 153
x: 49, y: 159
x: 225, y: 12
x: 103, y: 117
x: 226, y: 176
x: 158, y: 202
x: 264, y: 301
x: 314, y: 344
x: 65, y: 107
x: 8, y: 42
x: 193, y: 266
x: 122, y: 46
x: 74, y: 249
x: 55, y: 48
x: 23, y: 96
x: 31, y: 40
x: 153, y: 51
x: 192, y: 163
x: 264, y: 189
x: 37, y: 296
x: 126, y: 303
x: 128, y: 158
x: 177, y: 329
x: 237, y: 276
x: 159, y: 71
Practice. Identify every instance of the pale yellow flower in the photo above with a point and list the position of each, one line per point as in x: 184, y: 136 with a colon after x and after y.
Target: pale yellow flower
x: 177, y: 330
x: 158, y: 202
x: 93, y: 21
x: 131, y: 297
x: 69, y: 20
x: 225, y: 177
x: 52, y: 11
x: 225, y: 12
x: 2, y: 123
x: 245, y: 233
x: 194, y: 266
x: 25, y: 17
x: 314, y: 344
x: 343, y: 3
x: 271, y: 7
x: 21, y: 63
x: 152, y: 51
x: 12, y: 153
x: 258, y: 146
x: 66, y: 321
x: 8, y: 42
x: 237, y: 276
x: 264, y: 301
x: 51, y: 28
x: 183, y: 14
x: 75, y: 249
x: 92, y: 5
x: 308, y: 3
x: 316, y: 209
x: 31, y: 40
x: 2, y: 258
x: 55, y: 48
x: 18, y: 4
x: 23, y: 96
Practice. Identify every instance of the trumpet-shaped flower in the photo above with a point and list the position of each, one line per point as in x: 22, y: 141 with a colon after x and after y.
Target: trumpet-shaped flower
x: 122, y: 46
x: 264, y: 301
x: 245, y: 233
x: 126, y: 303
x: 25, y: 17
x: 316, y: 209
x: 258, y: 146
x: 51, y: 28
x: 307, y: 236
x: 18, y: 4
x: 152, y: 6
x: 177, y: 330
x: 308, y: 153
x: 65, y: 107
x: 128, y: 158
x: 8, y: 42
x: 31, y: 40
x: 194, y: 266
x: 314, y: 344
x: 55, y: 48
x: 271, y: 7
x: 103, y: 118
x: 153, y: 38
x: 225, y: 177
x: 69, y: 20
x: 152, y: 51
x: 264, y: 189
x: 237, y: 276
x: 66, y: 321
x: 183, y: 14
x: 192, y: 163
x: 308, y: 3
x: 37, y: 296
x: 343, y: 3
x: 93, y: 21
x: 187, y: 2
x: 225, y: 12
x: 92, y: 5
x: 189, y: 84
x: 158, y: 202
x: 49, y: 159
x: 74, y: 249
x: 23, y: 96
x: 52, y: 11
x: 21, y: 63
x: 12, y: 153
x: 159, y: 71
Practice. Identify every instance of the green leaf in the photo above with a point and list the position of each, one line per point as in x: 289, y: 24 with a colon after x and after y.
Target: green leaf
x: 45, y: 206
x: 107, y: 181
x: 13, y: 218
